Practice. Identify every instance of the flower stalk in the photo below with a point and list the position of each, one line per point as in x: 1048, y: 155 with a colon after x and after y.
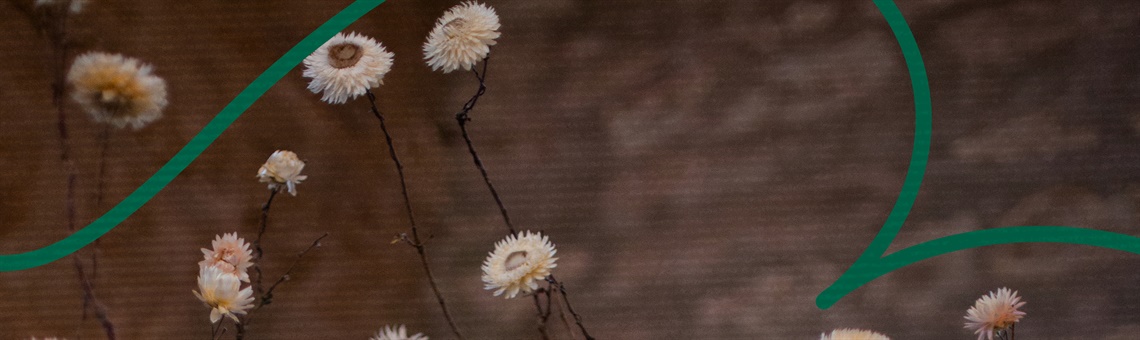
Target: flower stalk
x: 415, y: 240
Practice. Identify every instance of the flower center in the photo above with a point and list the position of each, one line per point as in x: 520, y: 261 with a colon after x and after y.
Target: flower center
x: 344, y: 55
x: 515, y: 260
x: 454, y: 27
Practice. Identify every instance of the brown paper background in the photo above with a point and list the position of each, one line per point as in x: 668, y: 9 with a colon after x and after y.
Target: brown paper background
x: 705, y: 168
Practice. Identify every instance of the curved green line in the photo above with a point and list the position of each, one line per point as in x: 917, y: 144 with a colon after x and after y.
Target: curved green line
x: 193, y: 148
x: 871, y: 264
x: 918, y: 157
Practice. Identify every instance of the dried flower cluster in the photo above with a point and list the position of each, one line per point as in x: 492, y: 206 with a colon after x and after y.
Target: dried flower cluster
x: 220, y: 276
x: 282, y: 168
x: 117, y: 90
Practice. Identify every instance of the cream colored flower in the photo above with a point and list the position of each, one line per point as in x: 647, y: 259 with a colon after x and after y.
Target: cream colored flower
x: 994, y: 312
x: 222, y: 292
x: 230, y: 254
x: 462, y: 36
x: 518, y: 263
x: 117, y: 90
x: 852, y: 334
x: 346, y: 66
x: 397, y: 333
x: 283, y: 167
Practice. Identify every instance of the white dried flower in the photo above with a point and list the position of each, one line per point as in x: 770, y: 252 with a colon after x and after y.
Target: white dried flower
x: 518, y: 263
x: 397, y: 333
x: 462, y: 36
x: 994, y: 313
x: 117, y: 90
x: 222, y: 292
x: 852, y: 334
x: 283, y: 167
x: 346, y: 66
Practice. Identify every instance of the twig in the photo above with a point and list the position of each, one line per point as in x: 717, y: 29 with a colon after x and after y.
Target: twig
x: 415, y: 242
x: 257, y: 251
x: 462, y: 118
x: 542, y: 315
x: 104, y: 137
x: 267, y: 298
x: 54, y: 26
x: 89, y: 299
x: 577, y: 318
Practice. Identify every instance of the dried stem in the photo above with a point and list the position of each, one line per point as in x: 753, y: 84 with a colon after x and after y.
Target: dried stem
x: 53, y: 25
x: 462, y: 118
x: 89, y: 299
x: 104, y: 138
x: 415, y: 241
x: 543, y: 315
x: 267, y: 298
x: 577, y: 318
x: 257, y: 251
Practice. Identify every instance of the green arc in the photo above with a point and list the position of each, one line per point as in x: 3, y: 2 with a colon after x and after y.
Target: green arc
x: 872, y: 264
x: 195, y: 147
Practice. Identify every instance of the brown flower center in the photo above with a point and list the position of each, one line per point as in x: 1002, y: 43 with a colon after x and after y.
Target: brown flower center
x: 515, y: 260
x: 344, y: 55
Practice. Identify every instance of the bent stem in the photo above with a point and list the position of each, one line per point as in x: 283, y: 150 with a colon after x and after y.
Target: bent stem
x: 462, y: 118
x: 577, y: 318
x: 415, y: 241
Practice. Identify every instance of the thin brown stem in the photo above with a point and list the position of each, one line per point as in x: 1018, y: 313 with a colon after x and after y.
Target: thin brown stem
x: 415, y: 241
x: 542, y: 315
x: 463, y: 117
x: 577, y: 318
x: 89, y: 299
x: 104, y: 138
x: 53, y: 25
x: 257, y: 251
x: 268, y: 296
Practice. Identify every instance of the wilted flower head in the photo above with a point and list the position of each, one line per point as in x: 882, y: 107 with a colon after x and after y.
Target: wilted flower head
x: 230, y: 254
x: 222, y: 292
x: 346, y: 66
x: 117, y: 90
x: 283, y: 167
x: 518, y: 263
x: 852, y: 334
x: 397, y: 333
x: 994, y: 312
x: 462, y: 37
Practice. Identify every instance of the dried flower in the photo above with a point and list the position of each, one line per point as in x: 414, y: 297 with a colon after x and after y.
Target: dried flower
x: 994, y: 312
x: 117, y: 90
x: 222, y: 292
x: 852, y: 334
x: 462, y: 37
x: 230, y: 254
x: 346, y: 66
x: 518, y: 263
x: 283, y: 167
x: 397, y: 333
